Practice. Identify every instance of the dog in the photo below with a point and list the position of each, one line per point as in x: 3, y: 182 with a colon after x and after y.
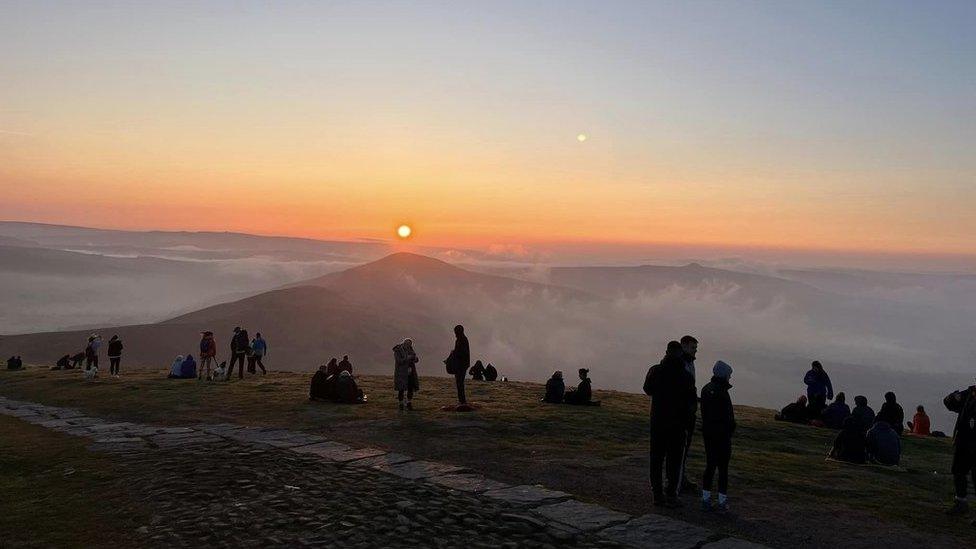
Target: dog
x: 220, y: 372
x: 91, y: 373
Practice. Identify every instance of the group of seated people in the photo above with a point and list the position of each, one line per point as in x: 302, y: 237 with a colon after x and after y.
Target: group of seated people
x: 480, y: 372
x: 183, y: 367
x: 581, y: 395
x: 15, y: 363
x: 69, y: 362
x: 334, y: 382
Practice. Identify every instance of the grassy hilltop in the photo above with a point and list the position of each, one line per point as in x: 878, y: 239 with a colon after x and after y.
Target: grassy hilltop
x: 783, y: 492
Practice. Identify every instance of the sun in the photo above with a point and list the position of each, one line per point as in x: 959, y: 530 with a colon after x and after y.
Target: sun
x: 582, y: 137
x: 404, y: 231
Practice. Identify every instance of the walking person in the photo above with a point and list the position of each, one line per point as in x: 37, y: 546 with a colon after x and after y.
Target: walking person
x: 718, y: 424
x: 819, y: 389
x: 673, y: 399
x: 208, y: 354
x: 405, y: 378
x: 963, y: 446
x: 239, y: 344
x: 114, y: 355
x: 689, y: 347
x: 459, y: 362
x: 259, y: 348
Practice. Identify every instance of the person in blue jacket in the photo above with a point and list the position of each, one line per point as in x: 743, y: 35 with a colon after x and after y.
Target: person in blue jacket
x: 819, y: 389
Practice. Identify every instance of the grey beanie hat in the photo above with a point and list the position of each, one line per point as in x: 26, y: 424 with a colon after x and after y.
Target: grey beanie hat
x: 722, y: 370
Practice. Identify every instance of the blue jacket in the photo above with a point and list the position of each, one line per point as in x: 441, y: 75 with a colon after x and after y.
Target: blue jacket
x: 189, y: 368
x: 818, y: 383
x: 883, y: 444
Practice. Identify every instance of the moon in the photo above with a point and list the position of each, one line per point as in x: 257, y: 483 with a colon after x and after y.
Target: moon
x: 404, y: 231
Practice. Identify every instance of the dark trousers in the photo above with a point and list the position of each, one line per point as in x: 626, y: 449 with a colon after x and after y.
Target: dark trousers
x: 963, y: 466
x: 409, y: 395
x: 236, y: 358
x: 459, y: 380
x: 113, y: 364
x: 257, y: 360
x: 684, y: 456
x: 667, y: 446
x: 91, y: 361
x: 718, y: 452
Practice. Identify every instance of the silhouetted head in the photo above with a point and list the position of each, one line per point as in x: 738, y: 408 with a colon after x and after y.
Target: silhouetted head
x: 237, y: 329
x: 861, y: 400
x: 333, y: 361
x: 459, y: 330
x: 690, y: 346
x: 408, y: 343
x: 345, y: 357
x: 802, y: 401
x: 920, y: 409
x: 258, y: 335
x: 674, y: 349
x: 557, y: 374
x: 115, y: 337
x: 323, y: 368
x: 890, y: 397
x: 722, y: 370
x: 816, y: 365
x: 583, y: 372
x: 841, y: 397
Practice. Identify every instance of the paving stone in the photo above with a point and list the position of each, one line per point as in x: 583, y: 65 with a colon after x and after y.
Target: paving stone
x: 468, y: 482
x: 733, y: 543
x: 54, y: 423
x: 418, y: 469
x: 657, y: 531
x: 103, y: 427
x: 390, y: 458
x: 583, y: 516
x: 320, y: 448
x: 525, y: 494
x: 67, y: 413
x: 351, y: 454
x: 217, y: 428
x: 20, y: 412
x: 85, y: 421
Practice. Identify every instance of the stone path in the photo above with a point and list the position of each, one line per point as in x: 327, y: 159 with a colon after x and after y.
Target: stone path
x: 231, y: 485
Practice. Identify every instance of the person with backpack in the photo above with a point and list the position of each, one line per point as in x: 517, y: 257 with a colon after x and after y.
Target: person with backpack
x: 208, y: 354
x: 963, y: 403
x: 718, y: 424
x: 672, y: 392
x: 114, y: 355
x: 819, y: 389
x: 239, y: 345
x: 491, y: 373
x: 259, y: 348
x: 459, y: 361
x: 405, y: 378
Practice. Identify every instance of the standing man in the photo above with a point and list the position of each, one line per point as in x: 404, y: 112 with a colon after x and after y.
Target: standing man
x: 239, y: 344
x: 963, y: 446
x: 91, y: 351
x: 114, y: 355
x: 461, y: 361
x: 259, y: 348
x: 208, y: 354
x: 689, y: 348
x: 673, y: 398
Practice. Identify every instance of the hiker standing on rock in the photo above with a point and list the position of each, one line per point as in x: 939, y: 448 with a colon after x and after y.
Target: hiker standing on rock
x: 459, y: 361
x: 114, y: 355
x: 718, y: 424
x: 963, y: 446
x: 405, y: 377
x: 672, y: 392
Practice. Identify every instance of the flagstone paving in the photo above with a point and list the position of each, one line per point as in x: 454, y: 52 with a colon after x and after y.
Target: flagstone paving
x: 228, y: 485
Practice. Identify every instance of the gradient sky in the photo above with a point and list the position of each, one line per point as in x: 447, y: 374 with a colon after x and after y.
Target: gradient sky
x: 836, y: 125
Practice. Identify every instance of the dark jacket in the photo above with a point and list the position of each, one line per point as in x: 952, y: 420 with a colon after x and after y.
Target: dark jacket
x: 892, y: 414
x: 317, y: 390
x: 461, y: 356
x: 491, y: 374
x: 883, y: 445
x: 863, y: 416
x: 345, y: 366
x: 794, y: 412
x: 582, y: 394
x: 834, y: 415
x: 555, y: 390
x: 115, y: 348
x: 849, y: 445
x: 818, y: 383
x: 718, y: 417
x: 964, y: 433
x: 478, y: 371
x: 672, y: 392
x: 240, y: 343
x: 346, y: 390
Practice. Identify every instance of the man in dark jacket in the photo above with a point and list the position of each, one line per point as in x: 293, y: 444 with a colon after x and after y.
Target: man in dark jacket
x: 491, y: 374
x: 318, y: 388
x: 883, y: 445
x: 689, y: 347
x: 582, y: 395
x: 849, y: 444
x: 478, y: 371
x: 892, y: 413
x: 836, y: 412
x: 114, y: 355
x: 819, y: 388
x: 240, y: 342
x: 718, y: 424
x: 555, y: 389
x: 963, y: 445
x: 862, y: 413
x: 344, y: 365
x: 460, y: 361
x: 673, y: 399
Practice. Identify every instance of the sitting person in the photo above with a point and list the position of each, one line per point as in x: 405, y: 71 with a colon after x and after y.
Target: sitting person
x: 555, y: 389
x: 76, y: 360
x: 836, y: 412
x: 795, y: 412
x: 920, y: 424
x: 220, y: 372
x: 12, y: 363
x: 346, y: 390
x: 317, y: 389
x: 883, y: 444
x: 63, y: 363
x: 862, y: 413
x: 176, y: 369
x: 332, y: 368
x: 583, y: 393
x: 892, y: 413
x: 478, y: 371
x: 491, y: 374
x: 189, y: 368
x: 345, y: 365
x: 849, y: 443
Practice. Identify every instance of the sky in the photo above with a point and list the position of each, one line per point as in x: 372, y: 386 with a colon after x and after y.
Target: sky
x: 800, y: 125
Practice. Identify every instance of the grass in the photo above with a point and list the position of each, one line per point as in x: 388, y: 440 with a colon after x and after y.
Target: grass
x: 778, y: 475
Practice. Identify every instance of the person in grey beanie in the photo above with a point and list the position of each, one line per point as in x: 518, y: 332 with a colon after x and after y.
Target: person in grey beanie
x: 718, y: 424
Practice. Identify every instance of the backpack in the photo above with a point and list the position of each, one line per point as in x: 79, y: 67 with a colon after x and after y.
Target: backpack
x: 449, y: 363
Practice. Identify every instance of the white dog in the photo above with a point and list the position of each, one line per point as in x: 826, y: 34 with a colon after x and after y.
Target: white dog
x: 91, y: 373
